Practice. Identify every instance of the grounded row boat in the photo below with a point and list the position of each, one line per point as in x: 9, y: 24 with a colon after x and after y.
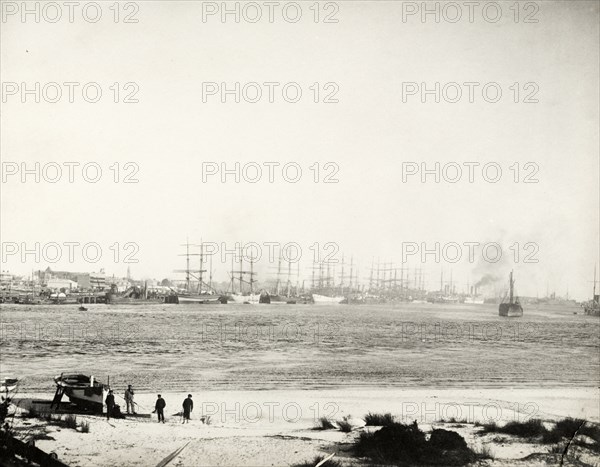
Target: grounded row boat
x: 84, y: 391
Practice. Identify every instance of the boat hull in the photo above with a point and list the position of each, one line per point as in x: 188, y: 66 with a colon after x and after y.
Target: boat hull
x: 113, y: 300
x: 474, y: 301
x: 510, y: 310
x: 326, y: 300
x: 200, y: 299
x: 82, y: 391
x: 252, y: 299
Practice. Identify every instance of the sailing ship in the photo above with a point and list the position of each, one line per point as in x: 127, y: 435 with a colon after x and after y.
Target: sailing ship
x: 84, y: 391
x: 243, y: 296
x: 288, y: 293
x: 512, y: 308
x: 204, y: 293
x: 592, y: 307
x: 324, y: 291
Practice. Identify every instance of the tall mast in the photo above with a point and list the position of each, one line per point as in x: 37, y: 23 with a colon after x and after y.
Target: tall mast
x: 241, y: 270
x: 251, y: 275
x: 511, y: 286
x: 187, y: 264
x: 277, y: 291
x: 232, y: 275
x: 342, y: 276
x: 289, y: 280
x: 210, y: 273
x: 200, y: 281
x: 402, y: 279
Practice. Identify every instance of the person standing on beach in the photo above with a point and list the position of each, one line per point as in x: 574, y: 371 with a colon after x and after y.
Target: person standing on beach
x: 129, y: 399
x: 110, y: 404
x: 159, y: 408
x: 188, y: 406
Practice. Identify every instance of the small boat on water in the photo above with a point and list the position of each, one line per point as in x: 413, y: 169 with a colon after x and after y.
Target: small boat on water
x: 511, y: 308
x: 84, y: 391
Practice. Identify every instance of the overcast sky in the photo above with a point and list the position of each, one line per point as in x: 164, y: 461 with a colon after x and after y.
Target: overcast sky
x: 369, y: 53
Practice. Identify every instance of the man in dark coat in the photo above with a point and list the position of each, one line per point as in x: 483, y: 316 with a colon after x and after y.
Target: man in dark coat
x: 188, y: 406
x: 110, y: 404
x: 159, y: 408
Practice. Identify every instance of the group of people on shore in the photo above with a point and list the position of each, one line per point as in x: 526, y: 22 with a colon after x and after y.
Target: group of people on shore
x: 159, y: 406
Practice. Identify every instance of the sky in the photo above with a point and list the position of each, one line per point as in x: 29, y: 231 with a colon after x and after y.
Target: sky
x: 370, y: 137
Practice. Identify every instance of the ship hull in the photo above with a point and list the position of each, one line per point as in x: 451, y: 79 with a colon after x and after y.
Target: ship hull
x: 113, y: 300
x: 82, y: 392
x: 200, y: 299
x: 592, y: 310
x: 474, y: 301
x: 510, y: 310
x: 326, y: 300
x: 246, y: 299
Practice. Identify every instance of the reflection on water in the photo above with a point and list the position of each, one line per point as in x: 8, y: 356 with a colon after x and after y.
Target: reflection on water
x: 170, y: 347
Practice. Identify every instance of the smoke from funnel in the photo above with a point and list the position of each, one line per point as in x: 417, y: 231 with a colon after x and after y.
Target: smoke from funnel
x: 487, y: 279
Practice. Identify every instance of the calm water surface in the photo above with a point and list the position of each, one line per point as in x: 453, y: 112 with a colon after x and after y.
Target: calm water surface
x: 171, y: 347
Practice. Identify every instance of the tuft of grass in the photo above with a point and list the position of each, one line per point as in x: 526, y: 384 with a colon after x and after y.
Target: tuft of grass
x: 485, y: 452
x: 490, y: 427
x: 532, y: 428
x: 528, y: 429
x: 85, y: 427
x: 70, y: 421
x: 317, y: 459
x: 344, y: 426
x: 33, y: 412
x: 324, y: 424
x: 379, y: 419
x: 565, y: 429
x: 400, y: 444
x: 558, y: 448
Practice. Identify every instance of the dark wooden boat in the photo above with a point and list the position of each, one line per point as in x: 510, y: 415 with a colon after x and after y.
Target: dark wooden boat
x: 84, y: 391
x: 511, y: 308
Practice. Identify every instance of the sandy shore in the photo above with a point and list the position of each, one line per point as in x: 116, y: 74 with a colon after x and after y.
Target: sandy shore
x: 263, y: 428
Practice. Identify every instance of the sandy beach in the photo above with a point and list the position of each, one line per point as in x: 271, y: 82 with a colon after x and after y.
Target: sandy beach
x: 264, y: 428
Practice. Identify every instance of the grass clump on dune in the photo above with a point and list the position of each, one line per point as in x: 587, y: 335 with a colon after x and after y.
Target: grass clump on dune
x: 324, y: 424
x: 400, y: 444
x: 317, y: 459
x: 563, y: 430
x: 345, y: 425
x: 379, y: 419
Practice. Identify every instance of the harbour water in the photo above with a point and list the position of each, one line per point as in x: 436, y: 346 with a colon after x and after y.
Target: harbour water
x: 173, y: 348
